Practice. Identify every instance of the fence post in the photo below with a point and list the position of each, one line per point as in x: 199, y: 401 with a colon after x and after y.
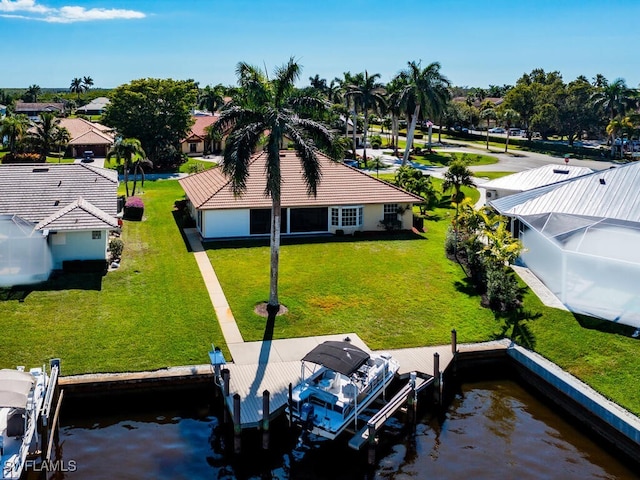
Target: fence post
x: 265, y: 420
x: 237, y: 427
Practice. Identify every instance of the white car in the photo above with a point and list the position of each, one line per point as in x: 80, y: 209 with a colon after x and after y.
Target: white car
x: 497, y: 130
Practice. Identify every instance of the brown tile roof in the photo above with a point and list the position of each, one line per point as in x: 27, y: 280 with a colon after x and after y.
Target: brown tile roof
x: 94, y: 137
x: 79, y: 126
x: 201, y: 123
x: 339, y: 185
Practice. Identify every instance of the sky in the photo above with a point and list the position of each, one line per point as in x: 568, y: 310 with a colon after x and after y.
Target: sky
x: 478, y: 43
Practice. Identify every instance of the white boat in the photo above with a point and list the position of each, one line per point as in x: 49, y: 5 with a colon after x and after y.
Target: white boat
x: 341, y: 381
x: 21, y: 398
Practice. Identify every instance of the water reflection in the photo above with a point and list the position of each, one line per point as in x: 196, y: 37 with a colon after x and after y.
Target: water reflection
x: 491, y: 430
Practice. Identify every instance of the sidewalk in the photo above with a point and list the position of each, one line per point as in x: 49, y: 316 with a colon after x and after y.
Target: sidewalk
x: 226, y: 319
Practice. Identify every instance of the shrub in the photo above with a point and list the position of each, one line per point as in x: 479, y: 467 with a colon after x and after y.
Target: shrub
x: 116, y: 246
x: 22, y: 158
x: 133, y: 209
x: 503, y: 291
x: 376, y: 141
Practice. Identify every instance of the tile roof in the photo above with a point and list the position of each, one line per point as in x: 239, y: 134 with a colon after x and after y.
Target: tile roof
x: 93, y: 137
x: 201, y: 122
x: 38, y: 192
x: 78, y: 215
x: 536, y: 177
x: 339, y: 185
x: 38, y: 107
x: 98, y: 103
x: 79, y: 126
x: 611, y: 193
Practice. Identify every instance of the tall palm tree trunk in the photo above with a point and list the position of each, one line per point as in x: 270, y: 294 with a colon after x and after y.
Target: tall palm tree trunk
x: 276, y: 221
x: 412, y: 128
x: 355, y: 124
x: 364, y: 137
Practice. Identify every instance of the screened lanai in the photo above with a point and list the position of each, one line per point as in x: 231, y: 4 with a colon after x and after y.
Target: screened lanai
x: 24, y: 254
x: 591, y: 264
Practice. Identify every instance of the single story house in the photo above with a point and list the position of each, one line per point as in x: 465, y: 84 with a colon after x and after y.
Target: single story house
x: 33, y: 110
x: 51, y: 214
x: 580, y: 238
x: 96, y: 106
x: 347, y: 201
x: 86, y: 135
x: 197, y: 143
x: 530, y: 179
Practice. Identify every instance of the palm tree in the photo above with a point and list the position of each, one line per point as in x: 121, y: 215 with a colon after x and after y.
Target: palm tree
x: 426, y: 89
x: 350, y: 107
x: 31, y: 95
x: 125, y: 150
x: 61, y: 138
x: 87, y: 83
x: 270, y: 105
x: 456, y: 177
x: 45, y: 133
x: 509, y: 116
x: 13, y: 128
x: 211, y: 98
x: 488, y: 114
x: 615, y: 99
x: 76, y: 86
x: 369, y: 94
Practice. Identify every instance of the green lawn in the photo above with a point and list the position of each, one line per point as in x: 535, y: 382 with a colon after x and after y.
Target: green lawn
x: 393, y: 291
x: 151, y: 313
x: 491, y: 175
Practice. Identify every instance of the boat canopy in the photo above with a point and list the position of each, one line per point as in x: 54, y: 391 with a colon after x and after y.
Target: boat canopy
x: 15, y: 387
x: 341, y: 357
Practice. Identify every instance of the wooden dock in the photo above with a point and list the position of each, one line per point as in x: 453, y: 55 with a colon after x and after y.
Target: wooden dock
x: 273, y: 366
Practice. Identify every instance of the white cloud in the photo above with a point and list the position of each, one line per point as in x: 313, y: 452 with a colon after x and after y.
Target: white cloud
x: 81, y: 14
x: 67, y: 14
x: 22, y: 6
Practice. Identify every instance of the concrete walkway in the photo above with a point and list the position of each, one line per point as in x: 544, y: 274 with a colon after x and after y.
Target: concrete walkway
x: 226, y: 319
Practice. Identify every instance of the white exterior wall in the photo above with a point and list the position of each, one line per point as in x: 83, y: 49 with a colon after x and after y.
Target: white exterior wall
x: 77, y: 246
x: 225, y: 223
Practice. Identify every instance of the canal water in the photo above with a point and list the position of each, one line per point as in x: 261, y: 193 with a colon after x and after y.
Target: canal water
x: 490, y: 430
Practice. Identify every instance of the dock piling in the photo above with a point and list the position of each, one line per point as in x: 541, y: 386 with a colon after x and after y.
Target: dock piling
x: 454, y: 341
x: 412, y: 401
x: 371, y: 454
x: 290, y: 405
x: 436, y: 378
x: 265, y: 420
x: 237, y: 426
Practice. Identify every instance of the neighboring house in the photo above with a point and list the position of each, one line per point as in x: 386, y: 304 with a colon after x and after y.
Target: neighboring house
x: 96, y: 106
x: 530, y: 179
x: 581, y: 239
x: 33, y: 110
x: 347, y: 201
x: 51, y: 214
x: 196, y: 142
x: 86, y: 135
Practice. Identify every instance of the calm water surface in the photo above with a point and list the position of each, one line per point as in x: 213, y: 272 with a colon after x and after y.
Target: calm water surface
x: 491, y: 430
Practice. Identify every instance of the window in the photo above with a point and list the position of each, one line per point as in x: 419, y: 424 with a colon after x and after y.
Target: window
x: 96, y: 235
x: 390, y: 212
x: 347, y: 216
x: 335, y: 217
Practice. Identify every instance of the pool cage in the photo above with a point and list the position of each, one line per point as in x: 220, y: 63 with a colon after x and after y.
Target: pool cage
x: 24, y: 253
x: 591, y: 264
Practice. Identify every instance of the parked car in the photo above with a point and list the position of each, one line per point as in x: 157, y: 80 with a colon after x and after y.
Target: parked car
x: 497, y: 130
x: 514, y: 131
x: 87, y: 156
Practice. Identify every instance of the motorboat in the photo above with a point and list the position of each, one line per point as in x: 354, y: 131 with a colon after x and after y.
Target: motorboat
x: 339, y: 380
x: 22, y: 396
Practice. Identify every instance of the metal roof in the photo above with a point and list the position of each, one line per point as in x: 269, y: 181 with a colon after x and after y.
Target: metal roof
x: 612, y: 193
x: 537, y: 177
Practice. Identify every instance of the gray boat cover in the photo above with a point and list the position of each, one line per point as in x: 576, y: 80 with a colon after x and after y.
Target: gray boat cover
x: 15, y: 387
x: 341, y: 357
